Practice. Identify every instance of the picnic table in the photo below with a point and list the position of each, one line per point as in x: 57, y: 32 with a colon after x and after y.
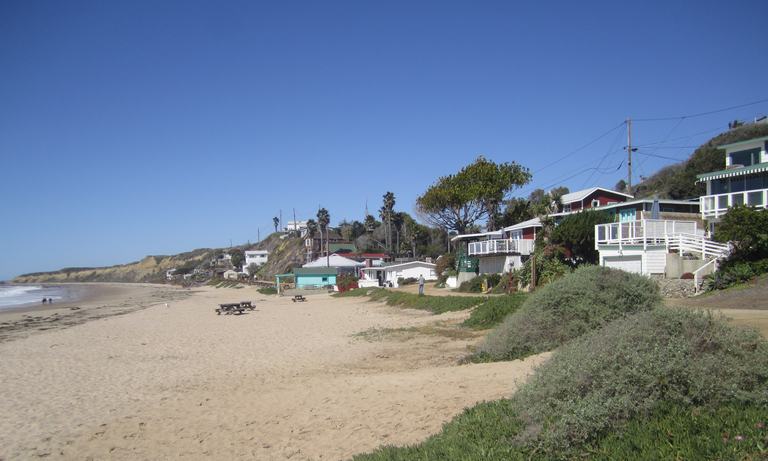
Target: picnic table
x: 234, y: 308
x: 299, y: 298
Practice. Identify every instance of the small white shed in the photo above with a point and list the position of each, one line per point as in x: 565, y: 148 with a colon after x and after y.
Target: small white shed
x: 389, y: 275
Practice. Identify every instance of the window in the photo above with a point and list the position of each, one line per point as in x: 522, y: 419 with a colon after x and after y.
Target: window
x: 595, y: 203
x: 325, y: 279
x: 746, y: 157
x: 754, y: 182
x: 567, y: 207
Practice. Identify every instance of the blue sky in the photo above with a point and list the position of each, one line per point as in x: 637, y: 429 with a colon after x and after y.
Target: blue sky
x: 139, y: 128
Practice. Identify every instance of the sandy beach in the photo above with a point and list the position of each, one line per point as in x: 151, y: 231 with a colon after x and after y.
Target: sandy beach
x: 323, y: 379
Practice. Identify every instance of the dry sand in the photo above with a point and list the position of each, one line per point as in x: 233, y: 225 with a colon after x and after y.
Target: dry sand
x: 323, y: 379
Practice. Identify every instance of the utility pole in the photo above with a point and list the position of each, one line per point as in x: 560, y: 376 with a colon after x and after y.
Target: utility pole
x: 258, y: 235
x: 281, y: 219
x: 629, y: 155
x: 295, y: 227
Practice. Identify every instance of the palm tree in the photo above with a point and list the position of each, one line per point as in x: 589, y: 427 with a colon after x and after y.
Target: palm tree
x: 370, y: 223
x: 398, y: 219
x: 276, y: 222
x: 323, y: 219
x: 389, y: 206
x: 311, y: 232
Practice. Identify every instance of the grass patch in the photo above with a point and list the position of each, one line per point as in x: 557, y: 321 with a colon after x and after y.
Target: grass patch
x: 567, y: 308
x: 488, y: 432
x: 355, y: 292
x: 267, y: 290
x: 680, y: 432
x: 494, y: 310
x: 409, y: 333
x: 483, y: 432
x: 434, y: 304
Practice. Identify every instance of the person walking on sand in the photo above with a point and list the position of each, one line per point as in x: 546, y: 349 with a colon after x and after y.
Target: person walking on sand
x: 421, y: 285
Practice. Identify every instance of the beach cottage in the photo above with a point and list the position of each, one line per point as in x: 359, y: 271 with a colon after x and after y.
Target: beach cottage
x: 315, y: 277
x: 392, y: 274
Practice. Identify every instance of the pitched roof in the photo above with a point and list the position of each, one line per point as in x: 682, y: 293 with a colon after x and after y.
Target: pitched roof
x: 334, y: 261
x: 535, y: 222
x: 480, y: 234
x: 580, y: 195
x: 409, y: 263
x: 315, y: 270
x: 746, y: 141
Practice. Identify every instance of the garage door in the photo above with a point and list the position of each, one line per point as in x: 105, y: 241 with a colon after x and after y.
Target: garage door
x: 627, y: 263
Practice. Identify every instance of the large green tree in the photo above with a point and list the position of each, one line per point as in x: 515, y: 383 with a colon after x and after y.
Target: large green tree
x: 576, y: 233
x: 476, y: 192
x: 747, y: 230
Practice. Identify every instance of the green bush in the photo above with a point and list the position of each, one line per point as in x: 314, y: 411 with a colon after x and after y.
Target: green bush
x: 268, y: 290
x: 406, y: 281
x: 493, y: 311
x: 598, y: 382
x: 735, y: 273
x: 549, y: 268
x: 581, y: 302
x: 474, y: 285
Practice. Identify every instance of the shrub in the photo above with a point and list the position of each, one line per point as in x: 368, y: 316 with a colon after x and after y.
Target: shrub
x: 548, y: 269
x: 346, y: 282
x: 583, y: 301
x: 493, y: 311
x: 268, y: 290
x: 406, y: 281
x: 445, y: 262
x: 687, y: 276
x: 474, y: 285
x: 631, y: 367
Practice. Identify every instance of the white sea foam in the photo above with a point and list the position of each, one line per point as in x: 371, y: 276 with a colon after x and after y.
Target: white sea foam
x: 20, y: 295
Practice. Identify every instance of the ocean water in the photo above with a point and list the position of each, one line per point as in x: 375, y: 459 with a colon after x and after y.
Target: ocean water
x: 25, y: 295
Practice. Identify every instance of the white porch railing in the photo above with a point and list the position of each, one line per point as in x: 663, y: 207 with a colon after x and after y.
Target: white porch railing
x: 493, y: 247
x: 682, y: 236
x: 714, y: 206
x: 690, y: 243
x: 642, y: 232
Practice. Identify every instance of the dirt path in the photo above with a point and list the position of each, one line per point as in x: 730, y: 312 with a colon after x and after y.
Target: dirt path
x: 744, y: 306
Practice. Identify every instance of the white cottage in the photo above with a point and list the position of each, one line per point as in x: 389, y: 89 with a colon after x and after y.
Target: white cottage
x: 388, y: 275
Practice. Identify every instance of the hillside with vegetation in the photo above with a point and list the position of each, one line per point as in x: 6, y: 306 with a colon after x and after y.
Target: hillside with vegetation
x: 678, y: 181
x: 284, y: 254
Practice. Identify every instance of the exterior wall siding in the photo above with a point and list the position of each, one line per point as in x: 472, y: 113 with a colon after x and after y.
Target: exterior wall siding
x: 303, y: 281
x: 654, y: 259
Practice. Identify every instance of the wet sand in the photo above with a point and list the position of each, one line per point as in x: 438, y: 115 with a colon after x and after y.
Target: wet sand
x: 91, y: 301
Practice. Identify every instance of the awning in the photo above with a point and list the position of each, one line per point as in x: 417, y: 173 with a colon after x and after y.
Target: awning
x: 758, y: 168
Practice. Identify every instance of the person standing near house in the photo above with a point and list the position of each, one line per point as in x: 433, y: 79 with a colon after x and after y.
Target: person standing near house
x: 421, y: 285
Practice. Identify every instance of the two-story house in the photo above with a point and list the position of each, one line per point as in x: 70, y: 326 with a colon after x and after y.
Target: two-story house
x: 744, y: 181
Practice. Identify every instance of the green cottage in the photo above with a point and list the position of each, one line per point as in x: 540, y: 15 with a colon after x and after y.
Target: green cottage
x: 315, y: 277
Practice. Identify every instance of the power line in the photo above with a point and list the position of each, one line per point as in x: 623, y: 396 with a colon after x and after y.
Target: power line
x: 700, y: 114
x: 660, y: 156
x: 611, y: 150
x: 580, y: 172
x: 580, y: 148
